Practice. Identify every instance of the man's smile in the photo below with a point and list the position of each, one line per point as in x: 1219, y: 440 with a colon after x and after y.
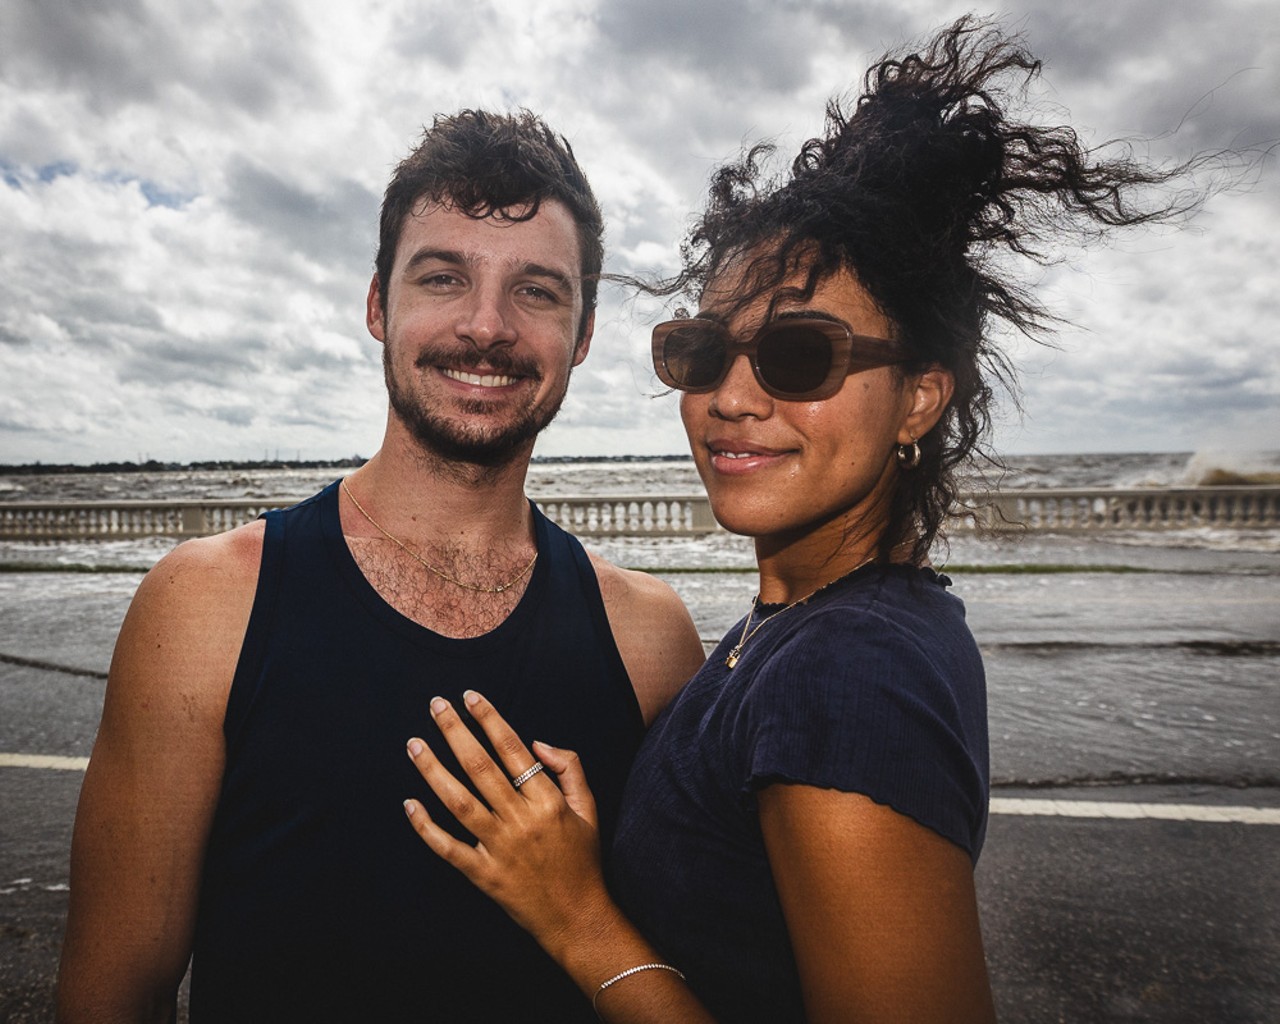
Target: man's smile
x: 490, y: 380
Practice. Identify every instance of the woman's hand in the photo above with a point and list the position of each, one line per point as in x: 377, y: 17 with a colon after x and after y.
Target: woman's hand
x: 538, y: 849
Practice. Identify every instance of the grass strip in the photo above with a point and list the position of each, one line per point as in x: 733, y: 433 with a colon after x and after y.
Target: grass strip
x: 959, y: 569
x: 1000, y: 568
x: 72, y: 567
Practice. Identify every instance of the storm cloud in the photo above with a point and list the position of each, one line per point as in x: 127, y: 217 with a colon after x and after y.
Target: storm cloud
x: 189, y: 193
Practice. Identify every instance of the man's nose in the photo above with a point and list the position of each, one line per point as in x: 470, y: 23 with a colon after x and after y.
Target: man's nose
x: 487, y: 321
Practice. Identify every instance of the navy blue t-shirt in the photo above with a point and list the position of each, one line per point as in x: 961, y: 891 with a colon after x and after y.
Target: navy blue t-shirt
x: 876, y: 687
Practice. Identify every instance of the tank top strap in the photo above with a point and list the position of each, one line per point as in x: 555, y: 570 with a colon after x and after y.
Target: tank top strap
x: 573, y: 581
x: 302, y: 518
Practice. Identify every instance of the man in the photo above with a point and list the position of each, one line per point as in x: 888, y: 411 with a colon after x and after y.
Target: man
x: 244, y: 794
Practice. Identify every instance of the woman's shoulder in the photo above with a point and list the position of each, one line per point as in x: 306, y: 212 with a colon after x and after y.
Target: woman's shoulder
x: 898, y: 604
x: 891, y: 638
x: 873, y: 692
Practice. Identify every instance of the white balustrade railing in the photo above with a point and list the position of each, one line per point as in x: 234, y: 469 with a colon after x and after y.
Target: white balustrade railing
x: 1175, y: 508
x: 682, y: 515
x: 631, y: 515
x: 125, y: 520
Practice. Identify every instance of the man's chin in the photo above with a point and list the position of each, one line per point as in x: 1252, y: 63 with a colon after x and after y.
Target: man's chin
x: 482, y: 449
x: 495, y: 454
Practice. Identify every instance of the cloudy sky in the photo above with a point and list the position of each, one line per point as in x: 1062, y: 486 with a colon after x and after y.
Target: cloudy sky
x: 189, y: 194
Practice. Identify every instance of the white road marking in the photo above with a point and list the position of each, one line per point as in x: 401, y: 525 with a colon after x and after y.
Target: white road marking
x: 66, y: 764
x: 999, y: 805
x: 1134, y: 812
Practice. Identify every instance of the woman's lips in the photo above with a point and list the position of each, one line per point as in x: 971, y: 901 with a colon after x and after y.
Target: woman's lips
x: 734, y: 458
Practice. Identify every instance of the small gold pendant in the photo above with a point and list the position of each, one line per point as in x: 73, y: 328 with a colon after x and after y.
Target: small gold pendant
x: 732, y: 660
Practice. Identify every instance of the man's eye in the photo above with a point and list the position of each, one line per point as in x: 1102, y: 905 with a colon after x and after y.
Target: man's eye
x: 439, y: 280
x: 539, y: 294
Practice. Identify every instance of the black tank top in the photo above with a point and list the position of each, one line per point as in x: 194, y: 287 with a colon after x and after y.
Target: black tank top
x: 318, y: 901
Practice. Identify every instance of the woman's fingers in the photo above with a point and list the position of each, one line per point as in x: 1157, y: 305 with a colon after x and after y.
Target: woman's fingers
x: 465, y: 858
x: 492, y: 780
x: 515, y: 756
x: 573, y: 779
x: 457, y: 799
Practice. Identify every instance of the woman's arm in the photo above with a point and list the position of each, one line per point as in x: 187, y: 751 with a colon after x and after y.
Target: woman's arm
x: 881, y: 910
x: 538, y: 855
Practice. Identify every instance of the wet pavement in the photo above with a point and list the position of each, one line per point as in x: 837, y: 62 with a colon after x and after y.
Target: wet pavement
x: 1165, y: 685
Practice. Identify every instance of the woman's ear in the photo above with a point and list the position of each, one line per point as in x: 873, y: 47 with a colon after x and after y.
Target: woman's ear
x: 932, y: 394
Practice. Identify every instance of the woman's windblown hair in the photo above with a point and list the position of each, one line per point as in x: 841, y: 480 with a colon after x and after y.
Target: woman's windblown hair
x: 922, y: 187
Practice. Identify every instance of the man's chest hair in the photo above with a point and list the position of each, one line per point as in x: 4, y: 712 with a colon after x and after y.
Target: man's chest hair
x: 438, y: 604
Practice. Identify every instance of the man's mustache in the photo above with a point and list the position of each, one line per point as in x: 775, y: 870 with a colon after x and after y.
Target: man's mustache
x: 499, y: 362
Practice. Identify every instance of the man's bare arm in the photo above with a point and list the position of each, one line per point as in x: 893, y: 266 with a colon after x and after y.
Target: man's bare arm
x: 152, y: 784
x: 654, y: 633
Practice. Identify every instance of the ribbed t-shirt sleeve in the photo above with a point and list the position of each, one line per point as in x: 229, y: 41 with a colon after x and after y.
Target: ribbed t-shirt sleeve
x: 850, y: 703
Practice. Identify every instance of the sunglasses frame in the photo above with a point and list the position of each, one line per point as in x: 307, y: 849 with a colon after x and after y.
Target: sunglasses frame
x: 850, y: 353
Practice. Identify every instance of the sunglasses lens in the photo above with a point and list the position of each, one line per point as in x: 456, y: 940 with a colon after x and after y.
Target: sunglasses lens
x: 794, y: 359
x: 695, y: 355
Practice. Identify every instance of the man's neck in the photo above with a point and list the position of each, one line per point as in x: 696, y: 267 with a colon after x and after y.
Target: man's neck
x: 424, y: 499
x: 450, y: 549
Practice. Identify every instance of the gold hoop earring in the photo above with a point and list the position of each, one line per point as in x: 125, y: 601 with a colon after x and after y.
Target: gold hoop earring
x: 909, y: 454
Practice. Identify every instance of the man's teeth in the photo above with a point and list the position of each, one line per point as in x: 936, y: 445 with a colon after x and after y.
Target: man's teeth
x: 491, y: 380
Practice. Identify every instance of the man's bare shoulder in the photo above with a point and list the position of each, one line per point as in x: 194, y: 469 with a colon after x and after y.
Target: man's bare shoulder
x: 654, y: 632
x: 192, y: 608
x: 206, y: 570
x: 176, y: 655
x: 230, y: 556
x: 631, y: 585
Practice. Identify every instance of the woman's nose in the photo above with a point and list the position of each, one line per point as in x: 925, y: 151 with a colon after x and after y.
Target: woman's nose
x: 740, y: 394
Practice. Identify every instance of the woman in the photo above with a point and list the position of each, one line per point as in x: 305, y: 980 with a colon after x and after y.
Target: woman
x: 800, y: 826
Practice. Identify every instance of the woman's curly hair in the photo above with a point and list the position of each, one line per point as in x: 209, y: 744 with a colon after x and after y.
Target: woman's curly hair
x: 921, y: 190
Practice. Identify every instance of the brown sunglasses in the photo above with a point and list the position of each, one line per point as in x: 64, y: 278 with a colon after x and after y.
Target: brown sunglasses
x: 800, y: 359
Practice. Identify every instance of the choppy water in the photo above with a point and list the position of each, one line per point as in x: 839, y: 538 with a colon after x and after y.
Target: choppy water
x: 1169, y: 669
x: 674, y: 476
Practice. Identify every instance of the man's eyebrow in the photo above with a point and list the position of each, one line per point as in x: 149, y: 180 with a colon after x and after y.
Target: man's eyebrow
x: 426, y: 255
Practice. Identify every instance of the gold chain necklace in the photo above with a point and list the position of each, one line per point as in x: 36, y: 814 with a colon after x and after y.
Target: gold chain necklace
x: 427, y: 565
x: 736, y: 651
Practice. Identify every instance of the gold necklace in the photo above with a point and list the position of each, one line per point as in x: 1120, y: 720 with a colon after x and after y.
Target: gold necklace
x: 735, y: 652
x: 427, y: 565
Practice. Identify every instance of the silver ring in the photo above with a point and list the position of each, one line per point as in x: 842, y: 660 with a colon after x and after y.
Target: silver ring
x: 527, y: 774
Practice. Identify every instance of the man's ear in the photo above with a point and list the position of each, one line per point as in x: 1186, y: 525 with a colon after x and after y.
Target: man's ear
x: 373, y: 315
x: 584, y: 343
x: 931, y: 396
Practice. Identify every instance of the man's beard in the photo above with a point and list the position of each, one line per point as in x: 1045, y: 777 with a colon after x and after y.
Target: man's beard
x: 457, y: 439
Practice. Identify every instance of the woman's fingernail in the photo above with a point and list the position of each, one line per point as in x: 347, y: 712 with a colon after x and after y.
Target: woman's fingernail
x: 409, y: 807
x: 415, y: 748
x: 471, y: 697
x: 438, y: 704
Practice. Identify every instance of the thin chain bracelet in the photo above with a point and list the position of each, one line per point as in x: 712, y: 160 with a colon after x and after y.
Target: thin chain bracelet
x: 630, y: 971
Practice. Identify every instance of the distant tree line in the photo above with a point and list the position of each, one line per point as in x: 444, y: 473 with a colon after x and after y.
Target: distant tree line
x: 155, y: 466
x: 352, y: 462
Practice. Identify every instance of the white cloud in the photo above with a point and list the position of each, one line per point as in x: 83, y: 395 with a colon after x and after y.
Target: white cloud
x: 189, y: 190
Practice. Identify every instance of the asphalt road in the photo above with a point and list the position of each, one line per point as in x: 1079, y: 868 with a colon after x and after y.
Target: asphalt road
x: 1086, y: 919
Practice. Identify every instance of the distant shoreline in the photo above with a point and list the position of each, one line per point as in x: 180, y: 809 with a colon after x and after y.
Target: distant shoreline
x: 352, y: 462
